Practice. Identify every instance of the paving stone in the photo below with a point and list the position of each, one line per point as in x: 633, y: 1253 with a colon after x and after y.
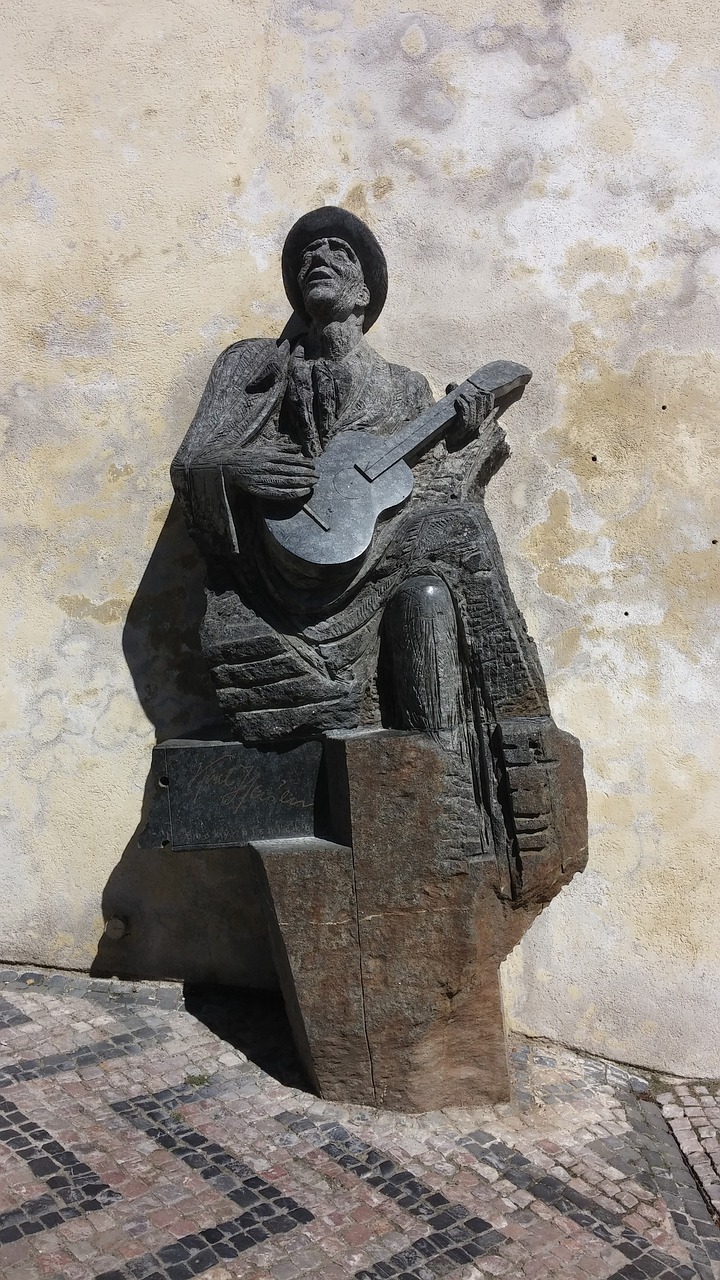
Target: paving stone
x: 140, y: 1142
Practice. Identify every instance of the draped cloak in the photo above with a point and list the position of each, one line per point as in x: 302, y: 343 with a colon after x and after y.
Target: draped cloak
x: 290, y: 660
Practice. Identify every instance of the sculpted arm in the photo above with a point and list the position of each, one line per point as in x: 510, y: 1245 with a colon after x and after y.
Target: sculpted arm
x: 232, y: 431
x: 276, y: 471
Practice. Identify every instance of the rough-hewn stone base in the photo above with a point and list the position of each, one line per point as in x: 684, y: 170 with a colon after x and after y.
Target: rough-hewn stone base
x: 388, y: 945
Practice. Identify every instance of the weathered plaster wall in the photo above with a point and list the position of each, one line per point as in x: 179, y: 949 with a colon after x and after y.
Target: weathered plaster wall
x: 544, y: 177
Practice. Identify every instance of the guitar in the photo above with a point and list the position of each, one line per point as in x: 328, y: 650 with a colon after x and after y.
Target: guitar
x: 363, y: 478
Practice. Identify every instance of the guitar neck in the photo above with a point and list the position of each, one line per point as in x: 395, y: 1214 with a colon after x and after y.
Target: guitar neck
x: 409, y: 443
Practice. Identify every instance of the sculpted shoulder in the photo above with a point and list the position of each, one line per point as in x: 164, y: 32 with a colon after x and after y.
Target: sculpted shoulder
x: 245, y: 381
x: 413, y: 387
x: 249, y: 355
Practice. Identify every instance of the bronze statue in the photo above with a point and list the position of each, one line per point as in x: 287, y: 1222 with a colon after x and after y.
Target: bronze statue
x: 390, y: 763
x: 418, y: 629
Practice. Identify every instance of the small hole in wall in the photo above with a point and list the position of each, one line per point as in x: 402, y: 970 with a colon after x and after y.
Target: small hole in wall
x: 164, y: 781
x: 714, y: 542
x: 627, y: 615
x: 594, y: 458
x: 165, y: 844
x: 663, y: 407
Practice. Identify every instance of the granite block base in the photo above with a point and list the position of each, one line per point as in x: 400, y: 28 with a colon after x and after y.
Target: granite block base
x: 386, y: 904
x: 388, y: 944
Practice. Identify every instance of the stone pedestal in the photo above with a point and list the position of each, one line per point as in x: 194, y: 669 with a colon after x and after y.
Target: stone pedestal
x: 307, y: 888
x: 388, y: 906
x: 388, y: 945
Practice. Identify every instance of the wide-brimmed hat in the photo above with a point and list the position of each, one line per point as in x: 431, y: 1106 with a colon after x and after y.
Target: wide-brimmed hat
x: 343, y: 225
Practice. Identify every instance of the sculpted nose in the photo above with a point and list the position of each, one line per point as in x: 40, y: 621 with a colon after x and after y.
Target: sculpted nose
x: 319, y: 255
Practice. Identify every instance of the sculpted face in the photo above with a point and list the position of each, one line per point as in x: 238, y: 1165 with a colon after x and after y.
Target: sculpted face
x: 331, y: 280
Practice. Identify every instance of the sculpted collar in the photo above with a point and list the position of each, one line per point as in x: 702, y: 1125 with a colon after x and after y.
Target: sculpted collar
x: 327, y: 396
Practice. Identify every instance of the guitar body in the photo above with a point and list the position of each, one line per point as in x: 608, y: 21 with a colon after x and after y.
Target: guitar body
x: 334, y: 528
x: 362, y: 477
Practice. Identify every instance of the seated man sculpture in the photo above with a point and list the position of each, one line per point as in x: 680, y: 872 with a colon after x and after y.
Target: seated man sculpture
x: 423, y: 632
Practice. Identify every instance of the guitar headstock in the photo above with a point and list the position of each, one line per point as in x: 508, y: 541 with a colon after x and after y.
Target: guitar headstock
x: 500, y: 378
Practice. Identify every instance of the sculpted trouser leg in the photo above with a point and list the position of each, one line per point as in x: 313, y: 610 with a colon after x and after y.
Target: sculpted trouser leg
x: 420, y: 662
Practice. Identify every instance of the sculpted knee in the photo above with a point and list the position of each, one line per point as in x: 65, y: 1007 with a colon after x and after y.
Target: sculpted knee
x: 424, y: 598
x: 421, y: 658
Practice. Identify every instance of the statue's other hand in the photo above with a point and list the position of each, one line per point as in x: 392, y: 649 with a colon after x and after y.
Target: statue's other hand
x: 470, y: 411
x: 279, y: 472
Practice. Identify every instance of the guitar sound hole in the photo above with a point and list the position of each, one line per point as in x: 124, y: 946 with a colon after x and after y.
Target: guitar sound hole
x: 349, y: 483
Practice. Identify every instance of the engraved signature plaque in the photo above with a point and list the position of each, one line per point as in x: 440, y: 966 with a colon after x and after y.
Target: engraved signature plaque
x: 215, y: 795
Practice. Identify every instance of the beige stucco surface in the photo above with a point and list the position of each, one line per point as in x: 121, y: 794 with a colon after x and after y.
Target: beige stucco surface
x: 544, y: 178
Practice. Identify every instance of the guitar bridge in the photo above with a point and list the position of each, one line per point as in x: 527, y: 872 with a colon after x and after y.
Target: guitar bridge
x: 318, y: 519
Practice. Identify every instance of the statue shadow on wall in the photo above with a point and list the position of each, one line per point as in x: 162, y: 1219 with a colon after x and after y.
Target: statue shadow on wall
x: 190, y: 916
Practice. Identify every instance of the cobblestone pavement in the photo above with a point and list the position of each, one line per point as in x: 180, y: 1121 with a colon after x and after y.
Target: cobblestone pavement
x: 693, y: 1113
x: 136, y: 1143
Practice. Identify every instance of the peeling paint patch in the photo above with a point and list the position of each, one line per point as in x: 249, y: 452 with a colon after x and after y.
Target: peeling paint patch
x: 43, y: 202
x: 106, y: 612
x: 545, y: 100
x: 86, y: 335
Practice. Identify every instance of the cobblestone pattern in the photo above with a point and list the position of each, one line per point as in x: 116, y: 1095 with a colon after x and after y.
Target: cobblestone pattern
x: 605, y: 1224
x: 137, y: 1144
x: 266, y: 1211
x: 73, y: 1187
x: 692, y: 1111
x: 457, y: 1234
x: 9, y: 1015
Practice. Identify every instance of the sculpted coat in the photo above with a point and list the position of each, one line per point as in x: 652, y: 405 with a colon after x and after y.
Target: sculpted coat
x: 274, y: 643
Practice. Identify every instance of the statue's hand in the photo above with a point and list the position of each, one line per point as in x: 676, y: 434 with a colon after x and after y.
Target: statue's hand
x: 279, y: 472
x: 471, y: 411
